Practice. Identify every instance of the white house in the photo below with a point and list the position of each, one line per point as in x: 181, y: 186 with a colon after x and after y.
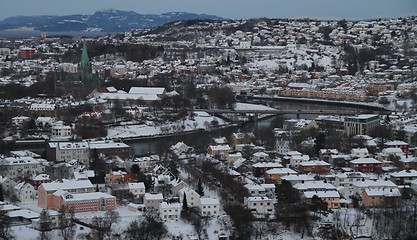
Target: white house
x: 137, y: 189
x: 193, y: 198
x: 259, y: 205
x: 44, y: 121
x: 151, y: 200
x: 359, y: 153
x: 60, y: 130
x: 299, y: 178
x: 295, y: 160
x: 7, y: 184
x: 180, y: 148
x: 18, y: 121
x: 360, y: 186
x: 209, y: 207
x: 344, y: 181
x: 18, y: 167
x: 170, y: 211
x: 66, y: 151
x: 25, y: 192
x: 260, y: 156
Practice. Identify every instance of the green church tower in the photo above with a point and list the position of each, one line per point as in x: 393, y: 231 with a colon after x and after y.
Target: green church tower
x: 84, y: 57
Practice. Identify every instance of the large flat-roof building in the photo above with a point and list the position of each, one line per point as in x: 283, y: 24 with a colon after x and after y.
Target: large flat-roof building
x: 362, y: 124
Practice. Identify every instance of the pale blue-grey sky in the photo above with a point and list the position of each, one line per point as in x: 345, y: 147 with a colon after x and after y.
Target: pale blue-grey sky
x: 320, y: 9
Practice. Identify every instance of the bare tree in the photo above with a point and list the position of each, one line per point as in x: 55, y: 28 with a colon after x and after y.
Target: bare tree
x: 102, y: 226
x: 66, y: 227
x: 5, y: 231
x: 148, y: 228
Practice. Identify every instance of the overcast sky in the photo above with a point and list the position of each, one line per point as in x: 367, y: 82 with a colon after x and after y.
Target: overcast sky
x: 320, y: 9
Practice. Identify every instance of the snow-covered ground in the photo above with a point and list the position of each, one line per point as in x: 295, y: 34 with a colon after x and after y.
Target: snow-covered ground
x: 202, y: 120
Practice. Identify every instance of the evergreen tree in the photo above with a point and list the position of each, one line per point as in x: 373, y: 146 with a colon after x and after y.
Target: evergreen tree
x: 200, y: 188
x: 184, y: 203
x: 1, y: 193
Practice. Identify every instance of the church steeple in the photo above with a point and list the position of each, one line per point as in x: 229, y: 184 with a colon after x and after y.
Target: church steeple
x: 84, y: 57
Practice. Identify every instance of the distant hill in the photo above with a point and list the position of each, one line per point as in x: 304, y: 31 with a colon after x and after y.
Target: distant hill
x: 101, y: 21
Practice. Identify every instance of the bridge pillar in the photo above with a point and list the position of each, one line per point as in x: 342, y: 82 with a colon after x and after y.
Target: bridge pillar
x: 298, y: 115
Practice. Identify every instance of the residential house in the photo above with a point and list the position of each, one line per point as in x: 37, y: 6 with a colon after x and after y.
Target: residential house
x: 17, y: 168
x: 314, y: 166
x: 260, y: 205
x: 298, y: 178
x: 260, y: 168
x: 7, y: 184
x: 274, y: 175
x: 39, y: 179
x: 332, y: 197
x: 233, y: 157
x: 176, y: 185
x: 397, y: 144
x: 378, y: 184
x: 260, y: 157
x: 241, y: 138
x: 408, y: 162
x: 366, y: 165
x: 193, y: 198
x: 153, y: 200
x: 344, y: 181
x: 219, y: 150
x: 25, y: 192
x: 59, y: 130
x: 170, y: 211
x: 181, y: 149
x: 393, y: 151
x: 359, y: 153
x: 403, y: 177
x: 145, y: 163
x: 312, y: 186
x: 381, y: 197
x: 325, y: 154
x: 137, y: 189
x: 209, y: 207
x: 296, y: 159
x: 119, y: 190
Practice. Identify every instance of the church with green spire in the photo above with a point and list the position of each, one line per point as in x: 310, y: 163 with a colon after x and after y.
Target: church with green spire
x: 80, y: 83
x: 84, y: 57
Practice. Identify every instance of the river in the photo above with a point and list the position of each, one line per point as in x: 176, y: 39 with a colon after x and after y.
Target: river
x: 200, y: 141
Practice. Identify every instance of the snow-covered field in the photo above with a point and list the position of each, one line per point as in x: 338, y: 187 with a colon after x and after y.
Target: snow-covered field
x: 202, y: 120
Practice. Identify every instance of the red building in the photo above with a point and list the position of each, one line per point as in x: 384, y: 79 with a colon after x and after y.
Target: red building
x: 39, y: 179
x: 27, y: 52
x: 366, y: 165
x: 397, y: 144
x: 83, y: 202
x: 47, y: 190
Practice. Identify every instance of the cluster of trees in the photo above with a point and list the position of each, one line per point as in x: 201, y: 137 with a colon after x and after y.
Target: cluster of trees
x: 221, y: 97
x: 232, y: 189
x: 293, y: 213
x: 149, y: 227
x: 90, y: 127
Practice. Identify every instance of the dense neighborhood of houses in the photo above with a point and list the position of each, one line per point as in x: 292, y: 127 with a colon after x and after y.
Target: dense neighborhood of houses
x: 68, y: 142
